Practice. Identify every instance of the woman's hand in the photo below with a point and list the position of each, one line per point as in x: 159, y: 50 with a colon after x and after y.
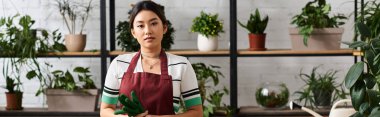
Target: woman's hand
x: 139, y: 115
x: 142, y: 114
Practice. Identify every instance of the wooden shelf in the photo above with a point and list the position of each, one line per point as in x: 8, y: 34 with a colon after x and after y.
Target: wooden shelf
x: 252, y: 111
x: 186, y: 52
x: 288, y: 52
x: 223, y: 53
x: 71, y: 54
x: 43, y: 112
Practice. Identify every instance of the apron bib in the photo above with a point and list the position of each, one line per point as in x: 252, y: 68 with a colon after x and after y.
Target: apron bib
x: 154, y: 91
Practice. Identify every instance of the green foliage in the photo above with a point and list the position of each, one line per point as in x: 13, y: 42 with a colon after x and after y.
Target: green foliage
x: 255, y: 24
x: 72, y: 11
x: 129, y: 43
x: 11, y: 84
x: 318, y: 82
x: 364, y: 84
x: 371, y: 17
x: 206, y: 74
x: 207, y: 25
x: 59, y: 79
x: 22, y: 44
x: 316, y: 15
x: 363, y: 78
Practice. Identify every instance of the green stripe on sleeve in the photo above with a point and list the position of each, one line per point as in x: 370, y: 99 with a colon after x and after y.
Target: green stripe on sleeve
x: 109, y: 100
x: 193, y: 102
x: 176, y: 108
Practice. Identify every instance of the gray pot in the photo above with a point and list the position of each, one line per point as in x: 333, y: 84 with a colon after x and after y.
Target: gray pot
x: 322, y: 98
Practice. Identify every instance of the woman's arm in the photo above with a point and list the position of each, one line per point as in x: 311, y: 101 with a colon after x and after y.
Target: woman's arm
x: 194, y: 111
x: 107, y: 110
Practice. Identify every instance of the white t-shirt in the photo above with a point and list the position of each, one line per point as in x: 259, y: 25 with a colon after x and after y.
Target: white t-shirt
x: 184, y: 80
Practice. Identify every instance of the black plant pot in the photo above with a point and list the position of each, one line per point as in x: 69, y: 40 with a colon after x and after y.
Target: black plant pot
x: 322, y: 98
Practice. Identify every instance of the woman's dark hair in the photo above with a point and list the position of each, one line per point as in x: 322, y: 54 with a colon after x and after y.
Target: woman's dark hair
x: 147, y: 5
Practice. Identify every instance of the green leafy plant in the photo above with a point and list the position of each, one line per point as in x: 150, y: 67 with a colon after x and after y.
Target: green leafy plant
x: 21, y: 44
x: 129, y: 43
x: 363, y: 77
x: 71, y: 12
x: 59, y: 79
x: 207, y: 25
x: 255, y: 24
x: 316, y: 15
x: 364, y: 85
x: 206, y: 74
x: 320, y: 88
x: 12, y: 86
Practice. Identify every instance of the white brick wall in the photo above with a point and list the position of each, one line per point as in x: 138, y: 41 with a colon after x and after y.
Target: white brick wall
x: 251, y: 70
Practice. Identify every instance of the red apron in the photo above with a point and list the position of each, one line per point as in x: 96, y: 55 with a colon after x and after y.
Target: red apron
x: 154, y: 91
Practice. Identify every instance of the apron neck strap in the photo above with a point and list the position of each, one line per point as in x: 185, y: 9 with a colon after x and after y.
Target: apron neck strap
x: 163, y: 59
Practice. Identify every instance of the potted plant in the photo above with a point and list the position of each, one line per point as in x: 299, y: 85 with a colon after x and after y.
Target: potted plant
x: 208, y: 26
x: 321, y: 89
x: 256, y: 27
x: 129, y: 43
x: 65, y: 93
x: 14, y: 94
x: 21, y: 44
x: 75, y: 17
x: 207, y: 74
x: 316, y: 30
x: 362, y: 79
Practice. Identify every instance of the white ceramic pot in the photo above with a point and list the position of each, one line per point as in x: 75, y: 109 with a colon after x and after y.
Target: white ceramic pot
x: 207, y: 44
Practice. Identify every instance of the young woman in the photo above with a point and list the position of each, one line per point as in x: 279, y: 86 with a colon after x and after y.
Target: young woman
x: 159, y: 79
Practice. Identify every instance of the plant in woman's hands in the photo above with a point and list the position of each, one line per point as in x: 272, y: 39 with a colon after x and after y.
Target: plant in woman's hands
x: 132, y: 106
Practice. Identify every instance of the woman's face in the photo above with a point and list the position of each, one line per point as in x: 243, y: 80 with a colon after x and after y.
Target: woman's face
x: 148, y: 29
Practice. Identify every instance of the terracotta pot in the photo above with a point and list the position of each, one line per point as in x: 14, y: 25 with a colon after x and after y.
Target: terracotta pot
x: 76, y: 101
x: 14, y: 101
x: 75, y: 43
x: 257, y: 42
x: 206, y: 44
x: 320, y: 39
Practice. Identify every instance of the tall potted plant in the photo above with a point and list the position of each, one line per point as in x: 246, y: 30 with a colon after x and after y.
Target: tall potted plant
x: 65, y: 93
x: 321, y: 89
x: 209, y: 74
x: 363, y: 77
x: 208, y: 26
x: 316, y: 30
x: 256, y: 27
x: 21, y: 44
x: 74, y: 14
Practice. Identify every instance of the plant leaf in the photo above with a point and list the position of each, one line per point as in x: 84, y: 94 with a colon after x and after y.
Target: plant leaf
x: 375, y: 114
x: 374, y: 110
x: 363, y: 107
x: 31, y: 74
x: 353, y: 74
x: 357, y: 44
x: 363, y: 29
x: 370, y: 80
x: 373, y: 97
x: 357, y: 94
